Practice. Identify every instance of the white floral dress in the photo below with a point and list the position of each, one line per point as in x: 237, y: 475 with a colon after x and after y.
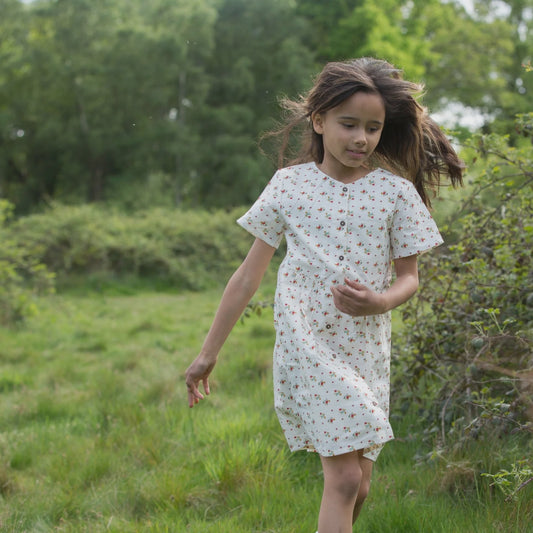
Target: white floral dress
x: 332, y: 371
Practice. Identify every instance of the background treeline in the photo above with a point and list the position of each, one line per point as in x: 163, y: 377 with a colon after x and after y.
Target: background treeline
x: 137, y: 103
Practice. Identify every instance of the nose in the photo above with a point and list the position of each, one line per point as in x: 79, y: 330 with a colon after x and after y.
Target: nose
x: 359, y: 136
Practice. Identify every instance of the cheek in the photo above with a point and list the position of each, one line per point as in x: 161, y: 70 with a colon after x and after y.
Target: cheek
x: 375, y: 140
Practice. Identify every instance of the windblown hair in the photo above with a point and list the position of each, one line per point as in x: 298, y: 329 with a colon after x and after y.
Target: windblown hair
x: 411, y: 145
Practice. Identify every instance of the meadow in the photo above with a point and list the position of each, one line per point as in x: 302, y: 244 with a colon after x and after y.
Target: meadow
x: 97, y: 436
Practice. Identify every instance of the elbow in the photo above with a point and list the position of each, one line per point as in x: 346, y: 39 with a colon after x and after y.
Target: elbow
x: 414, y: 285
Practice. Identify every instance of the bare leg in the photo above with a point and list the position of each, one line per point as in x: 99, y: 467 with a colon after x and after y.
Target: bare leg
x: 343, y: 475
x: 366, y: 468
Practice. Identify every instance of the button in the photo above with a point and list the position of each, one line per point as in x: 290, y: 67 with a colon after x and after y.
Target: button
x: 328, y: 326
x: 341, y: 258
x: 345, y: 189
x: 343, y: 223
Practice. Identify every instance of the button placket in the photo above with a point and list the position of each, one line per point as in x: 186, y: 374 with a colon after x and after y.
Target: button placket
x: 342, y: 223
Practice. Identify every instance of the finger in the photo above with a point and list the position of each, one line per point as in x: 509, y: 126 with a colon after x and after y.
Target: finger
x: 190, y: 396
x: 191, y: 399
x: 206, y: 385
x: 345, y: 292
x: 195, y: 397
x: 354, y: 283
x: 193, y: 393
x: 339, y: 290
x: 198, y: 396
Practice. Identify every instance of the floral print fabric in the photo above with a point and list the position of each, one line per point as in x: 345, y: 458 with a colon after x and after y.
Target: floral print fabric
x: 332, y: 371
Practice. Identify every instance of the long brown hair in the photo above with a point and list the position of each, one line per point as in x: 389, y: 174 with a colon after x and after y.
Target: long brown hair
x: 411, y: 144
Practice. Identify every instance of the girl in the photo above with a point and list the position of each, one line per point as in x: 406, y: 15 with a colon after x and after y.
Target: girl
x: 346, y: 215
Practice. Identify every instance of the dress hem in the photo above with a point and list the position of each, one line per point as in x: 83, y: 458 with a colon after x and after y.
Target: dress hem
x: 371, y: 452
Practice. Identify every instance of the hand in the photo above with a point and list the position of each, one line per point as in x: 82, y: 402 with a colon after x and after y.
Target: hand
x: 355, y: 299
x: 198, y: 371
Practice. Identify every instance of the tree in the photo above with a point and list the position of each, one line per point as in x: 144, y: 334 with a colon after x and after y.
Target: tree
x: 14, y: 65
x: 478, y: 58
x: 98, y: 94
x: 472, y: 58
x: 391, y: 30
x: 258, y: 56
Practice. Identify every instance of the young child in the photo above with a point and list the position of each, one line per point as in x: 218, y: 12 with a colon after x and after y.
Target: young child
x: 346, y: 215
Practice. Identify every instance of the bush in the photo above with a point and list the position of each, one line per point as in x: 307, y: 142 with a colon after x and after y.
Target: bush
x: 22, y: 276
x: 184, y: 249
x: 465, y: 353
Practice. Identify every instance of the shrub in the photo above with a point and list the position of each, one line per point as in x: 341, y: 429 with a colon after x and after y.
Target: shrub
x: 185, y: 249
x: 465, y: 353
x: 22, y: 276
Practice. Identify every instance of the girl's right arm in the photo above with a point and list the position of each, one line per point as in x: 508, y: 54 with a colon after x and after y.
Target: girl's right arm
x: 239, y: 290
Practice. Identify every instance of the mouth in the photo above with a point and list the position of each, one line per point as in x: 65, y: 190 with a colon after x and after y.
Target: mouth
x: 356, y: 154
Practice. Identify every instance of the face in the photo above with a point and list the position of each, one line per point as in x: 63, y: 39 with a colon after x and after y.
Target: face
x: 350, y: 133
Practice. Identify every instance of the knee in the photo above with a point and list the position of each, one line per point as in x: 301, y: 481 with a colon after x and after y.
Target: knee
x: 348, y: 483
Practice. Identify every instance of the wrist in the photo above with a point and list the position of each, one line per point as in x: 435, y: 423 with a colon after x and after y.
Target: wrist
x: 208, y: 356
x: 384, y: 303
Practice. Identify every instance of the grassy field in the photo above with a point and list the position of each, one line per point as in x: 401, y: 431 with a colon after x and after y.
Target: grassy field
x: 96, y: 435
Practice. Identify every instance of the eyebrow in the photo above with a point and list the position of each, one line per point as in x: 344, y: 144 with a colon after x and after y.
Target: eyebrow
x: 347, y: 117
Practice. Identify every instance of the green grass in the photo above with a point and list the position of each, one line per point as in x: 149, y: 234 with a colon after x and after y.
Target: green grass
x: 96, y: 434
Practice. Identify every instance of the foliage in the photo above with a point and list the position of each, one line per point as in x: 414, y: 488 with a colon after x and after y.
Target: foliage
x: 439, y: 43
x: 454, y: 77
x: 512, y: 482
x: 257, y: 59
x: 398, y: 37
x: 256, y: 308
x: 465, y: 353
x: 94, y: 103
x: 182, y: 249
x: 22, y: 276
x: 130, y: 102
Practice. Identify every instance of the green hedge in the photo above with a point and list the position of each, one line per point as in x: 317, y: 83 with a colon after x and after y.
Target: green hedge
x: 185, y: 249
x: 22, y: 276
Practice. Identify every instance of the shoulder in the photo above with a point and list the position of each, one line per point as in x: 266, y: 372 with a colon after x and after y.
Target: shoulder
x: 395, y: 185
x: 302, y: 171
x: 387, y: 178
x: 297, y: 176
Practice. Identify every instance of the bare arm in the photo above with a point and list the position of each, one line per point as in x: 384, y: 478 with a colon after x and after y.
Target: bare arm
x: 356, y: 299
x: 240, y: 288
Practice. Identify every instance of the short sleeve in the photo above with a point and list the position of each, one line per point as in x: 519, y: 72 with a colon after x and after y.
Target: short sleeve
x: 413, y: 229
x: 264, y: 219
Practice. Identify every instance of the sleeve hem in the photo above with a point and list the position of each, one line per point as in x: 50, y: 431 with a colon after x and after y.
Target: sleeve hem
x: 274, y: 242
x: 406, y: 252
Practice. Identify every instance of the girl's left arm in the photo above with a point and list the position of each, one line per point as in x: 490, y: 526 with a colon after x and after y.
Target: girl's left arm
x: 356, y: 299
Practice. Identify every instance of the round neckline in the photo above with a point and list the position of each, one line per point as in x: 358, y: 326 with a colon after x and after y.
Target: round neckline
x: 344, y: 183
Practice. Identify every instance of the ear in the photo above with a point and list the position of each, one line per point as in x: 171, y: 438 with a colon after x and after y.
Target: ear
x: 318, y: 122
